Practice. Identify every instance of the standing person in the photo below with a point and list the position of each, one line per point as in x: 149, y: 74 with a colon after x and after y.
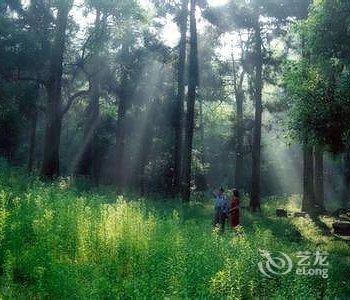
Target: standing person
x: 234, y: 208
x: 221, y: 209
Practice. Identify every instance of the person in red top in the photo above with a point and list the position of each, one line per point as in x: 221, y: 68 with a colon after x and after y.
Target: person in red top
x: 234, y: 209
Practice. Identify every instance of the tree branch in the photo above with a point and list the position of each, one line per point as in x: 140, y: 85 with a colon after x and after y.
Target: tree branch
x: 72, y: 98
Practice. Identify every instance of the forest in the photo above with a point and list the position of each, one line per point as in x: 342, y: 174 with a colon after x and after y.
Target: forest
x: 174, y: 149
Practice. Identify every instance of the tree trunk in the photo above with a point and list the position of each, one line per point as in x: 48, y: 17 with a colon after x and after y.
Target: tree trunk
x: 256, y: 147
x: 32, y: 140
x: 145, y: 149
x: 308, y: 199
x: 319, y: 185
x: 239, y: 142
x: 179, y: 109
x: 50, y: 166
x: 346, y: 180
x: 191, y: 99
x: 238, y: 124
x: 144, y: 155
x: 88, y: 163
x: 120, y: 141
x: 201, y: 129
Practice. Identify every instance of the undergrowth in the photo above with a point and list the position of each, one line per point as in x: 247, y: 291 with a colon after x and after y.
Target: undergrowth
x: 58, y: 241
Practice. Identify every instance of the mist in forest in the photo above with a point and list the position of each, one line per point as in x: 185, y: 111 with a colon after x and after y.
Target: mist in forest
x: 170, y: 97
x: 187, y: 149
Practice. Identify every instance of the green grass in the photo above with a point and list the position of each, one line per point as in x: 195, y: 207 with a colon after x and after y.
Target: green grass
x: 59, y: 242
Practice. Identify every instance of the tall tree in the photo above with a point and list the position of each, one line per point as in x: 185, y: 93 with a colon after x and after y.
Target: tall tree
x: 42, y: 26
x: 179, y: 106
x: 124, y: 94
x: 257, y: 92
x: 238, y: 79
x: 50, y: 165
x: 191, y: 99
x: 131, y: 70
x: 280, y: 11
x: 88, y: 164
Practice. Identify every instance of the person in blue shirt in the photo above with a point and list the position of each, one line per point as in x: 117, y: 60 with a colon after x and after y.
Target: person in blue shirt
x: 221, y: 209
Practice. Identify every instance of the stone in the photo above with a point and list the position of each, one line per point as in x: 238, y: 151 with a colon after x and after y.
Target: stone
x: 281, y: 213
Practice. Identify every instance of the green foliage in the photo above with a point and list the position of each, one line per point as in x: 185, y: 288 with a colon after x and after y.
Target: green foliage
x: 317, y: 84
x: 59, y: 242
x: 305, y: 87
x: 327, y: 29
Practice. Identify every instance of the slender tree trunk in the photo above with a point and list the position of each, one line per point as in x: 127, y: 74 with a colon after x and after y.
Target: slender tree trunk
x: 256, y: 147
x: 145, y: 150
x: 201, y: 129
x: 50, y: 165
x: 191, y: 99
x: 120, y: 141
x: 238, y: 124
x: 88, y: 162
x: 144, y: 156
x: 319, y: 184
x: 201, y: 179
x: 32, y: 140
x: 346, y: 180
x: 178, y: 121
x: 308, y: 199
x: 239, y: 142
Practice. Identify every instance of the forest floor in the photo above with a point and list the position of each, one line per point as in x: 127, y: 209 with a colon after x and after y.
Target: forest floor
x: 62, y: 240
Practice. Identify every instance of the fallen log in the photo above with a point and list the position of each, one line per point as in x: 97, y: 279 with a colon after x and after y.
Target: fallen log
x: 345, y: 217
x: 341, y: 228
x: 341, y: 211
x: 300, y: 214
